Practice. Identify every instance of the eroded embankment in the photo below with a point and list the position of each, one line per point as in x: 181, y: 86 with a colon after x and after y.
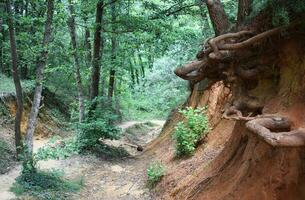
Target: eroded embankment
x: 233, y: 163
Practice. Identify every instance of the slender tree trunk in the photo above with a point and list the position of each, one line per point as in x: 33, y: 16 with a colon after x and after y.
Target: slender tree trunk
x: 103, y: 87
x: 97, y: 52
x: 24, y: 68
x: 131, y: 70
x: 141, y: 63
x: 137, y: 76
x: 113, y: 54
x: 87, y: 44
x: 16, y: 78
x: 151, y: 62
x: 71, y: 24
x: 1, y: 45
x: 40, y: 65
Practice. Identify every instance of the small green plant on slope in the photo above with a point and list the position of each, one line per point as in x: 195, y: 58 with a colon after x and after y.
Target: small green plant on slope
x: 43, y: 184
x: 155, y: 172
x: 188, y: 133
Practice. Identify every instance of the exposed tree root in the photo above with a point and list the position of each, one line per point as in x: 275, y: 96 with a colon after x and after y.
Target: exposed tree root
x: 190, y: 70
x: 266, y: 129
x: 234, y: 111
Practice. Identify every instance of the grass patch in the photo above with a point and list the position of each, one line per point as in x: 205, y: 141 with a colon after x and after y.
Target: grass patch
x: 6, y: 157
x: 48, y: 185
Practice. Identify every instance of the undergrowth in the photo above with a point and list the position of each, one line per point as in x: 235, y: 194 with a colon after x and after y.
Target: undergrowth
x: 188, y: 133
x: 46, y: 185
x: 87, y: 139
x: 6, y: 156
x: 7, y: 84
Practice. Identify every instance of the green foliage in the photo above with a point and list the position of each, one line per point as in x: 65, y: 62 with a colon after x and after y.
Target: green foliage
x: 155, y: 172
x: 90, y: 132
x: 282, y: 10
x: 58, y: 150
x: 7, y: 84
x: 28, y: 162
x: 45, y: 185
x: 86, y: 139
x: 188, y: 133
x: 160, y: 91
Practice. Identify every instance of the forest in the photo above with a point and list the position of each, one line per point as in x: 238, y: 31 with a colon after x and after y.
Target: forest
x: 152, y: 99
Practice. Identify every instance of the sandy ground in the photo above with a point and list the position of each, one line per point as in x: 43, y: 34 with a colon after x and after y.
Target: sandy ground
x: 104, y: 179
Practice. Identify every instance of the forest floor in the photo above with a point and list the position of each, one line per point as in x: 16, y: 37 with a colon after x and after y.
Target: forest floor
x: 118, y: 179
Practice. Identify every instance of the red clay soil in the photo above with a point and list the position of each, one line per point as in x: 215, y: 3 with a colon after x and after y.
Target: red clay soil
x: 233, y: 163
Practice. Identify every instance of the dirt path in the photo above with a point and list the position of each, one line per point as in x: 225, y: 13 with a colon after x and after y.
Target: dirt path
x: 104, y: 179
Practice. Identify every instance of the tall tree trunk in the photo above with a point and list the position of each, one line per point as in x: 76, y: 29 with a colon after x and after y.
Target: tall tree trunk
x: 1, y: 45
x: 218, y: 16
x: 87, y: 44
x: 97, y: 52
x: 113, y: 53
x: 16, y: 78
x: 141, y: 63
x: 24, y: 70
x: 131, y: 71
x: 137, y: 76
x: 40, y: 65
x: 71, y: 24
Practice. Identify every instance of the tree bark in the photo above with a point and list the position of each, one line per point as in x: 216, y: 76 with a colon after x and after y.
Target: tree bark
x: 244, y: 9
x: 71, y: 24
x: 131, y: 70
x: 87, y: 42
x: 16, y: 78
x: 40, y: 65
x: 97, y: 52
x: 218, y: 16
x: 1, y: 45
x: 141, y: 63
x: 113, y: 54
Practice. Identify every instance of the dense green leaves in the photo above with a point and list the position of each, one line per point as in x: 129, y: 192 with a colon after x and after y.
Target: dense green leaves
x: 188, y: 133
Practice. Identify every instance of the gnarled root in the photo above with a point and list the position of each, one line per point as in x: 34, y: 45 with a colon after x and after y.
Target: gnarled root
x: 190, y: 71
x: 267, y: 128
x: 233, y: 110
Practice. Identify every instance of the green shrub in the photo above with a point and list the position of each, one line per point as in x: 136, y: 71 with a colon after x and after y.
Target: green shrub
x: 89, y: 133
x: 45, y: 185
x: 100, y: 125
x: 155, y: 172
x: 188, y: 133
